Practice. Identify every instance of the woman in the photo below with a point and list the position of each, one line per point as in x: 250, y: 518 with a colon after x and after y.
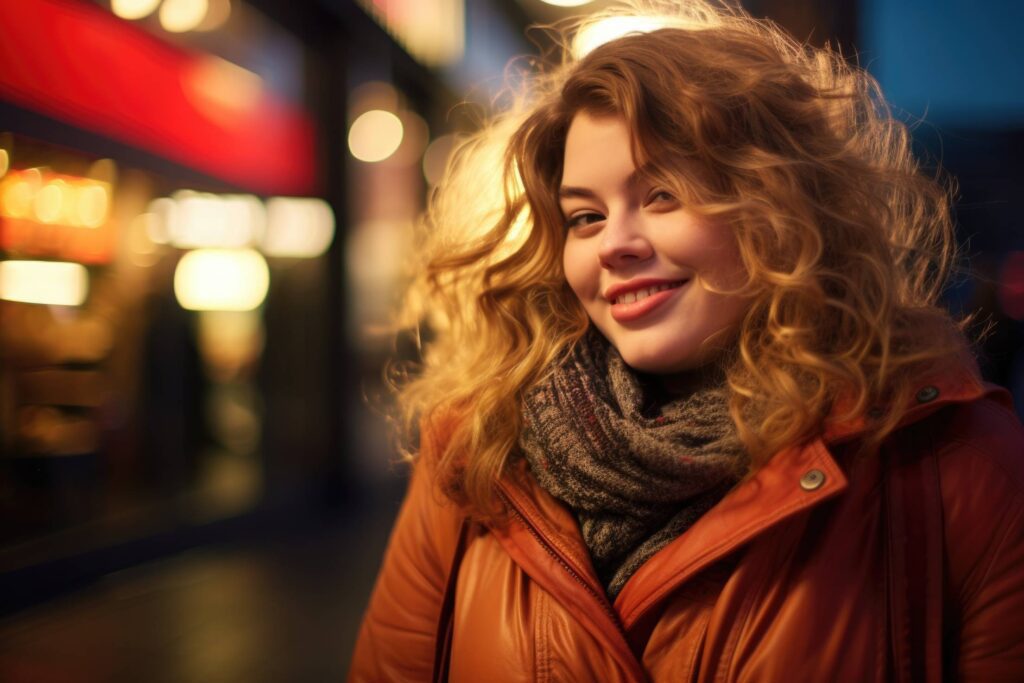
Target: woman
x: 691, y: 411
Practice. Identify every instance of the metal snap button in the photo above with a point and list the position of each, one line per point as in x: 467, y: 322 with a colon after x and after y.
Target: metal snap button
x: 927, y: 394
x: 812, y: 480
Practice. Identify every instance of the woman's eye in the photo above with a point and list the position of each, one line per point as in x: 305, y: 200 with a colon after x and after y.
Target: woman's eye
x: 582, y: 219
x: 661, y: 196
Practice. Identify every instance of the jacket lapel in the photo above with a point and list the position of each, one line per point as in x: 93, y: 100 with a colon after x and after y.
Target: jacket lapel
x: 791, y: 483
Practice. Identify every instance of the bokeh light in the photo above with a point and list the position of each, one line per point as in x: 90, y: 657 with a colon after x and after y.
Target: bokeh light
x: 54, y: 199
x: 5, y: 162
x: 217, y: 15
x: 49, y: 202
x: 53, y: 283
x: 609, y: 28
x: 133, y: 9
x: 435, y: 159
x: 202, y: 219
x: 91, y: 205
x: 18, y: 191
x: 221, y: 280
x: 222, y: 90
x: 298, y: 227
x: 179, y: 16
x: 375, y: 135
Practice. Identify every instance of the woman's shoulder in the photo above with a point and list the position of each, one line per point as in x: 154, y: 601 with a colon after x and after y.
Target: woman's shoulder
x: 974, y: 451
x: 979, y: 443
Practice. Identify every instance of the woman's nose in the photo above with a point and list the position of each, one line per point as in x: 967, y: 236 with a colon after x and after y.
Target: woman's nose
x: 623, y: 243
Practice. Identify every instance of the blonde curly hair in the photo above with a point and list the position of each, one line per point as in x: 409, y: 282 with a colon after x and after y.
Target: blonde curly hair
x: 846, y: 242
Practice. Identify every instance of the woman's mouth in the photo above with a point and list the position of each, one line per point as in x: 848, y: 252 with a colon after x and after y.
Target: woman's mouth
x: 637, y: 303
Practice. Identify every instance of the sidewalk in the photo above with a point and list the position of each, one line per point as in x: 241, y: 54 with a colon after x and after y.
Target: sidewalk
x: 281, y: 609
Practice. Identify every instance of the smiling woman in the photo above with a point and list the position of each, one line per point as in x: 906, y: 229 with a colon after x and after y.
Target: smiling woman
x: 690, y: 410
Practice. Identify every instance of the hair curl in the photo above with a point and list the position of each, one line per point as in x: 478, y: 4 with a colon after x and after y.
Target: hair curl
x: 846, y: 243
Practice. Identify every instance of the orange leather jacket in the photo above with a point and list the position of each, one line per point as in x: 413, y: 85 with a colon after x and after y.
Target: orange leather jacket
x: 906, y: 567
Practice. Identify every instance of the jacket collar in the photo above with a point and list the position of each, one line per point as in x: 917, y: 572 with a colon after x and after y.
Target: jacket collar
x: 958, y: 383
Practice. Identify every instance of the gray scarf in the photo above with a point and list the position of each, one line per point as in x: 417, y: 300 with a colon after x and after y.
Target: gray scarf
x: 637, y: 465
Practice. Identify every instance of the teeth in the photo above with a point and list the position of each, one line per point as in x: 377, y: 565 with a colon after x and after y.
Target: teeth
x: 641, y: 294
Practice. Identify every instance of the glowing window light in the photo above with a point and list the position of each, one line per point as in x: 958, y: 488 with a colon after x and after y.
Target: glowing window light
x: 567, y: 3
x: 54, y: 199
x: 53, y: 283
x: 5, y: 162
x: 179, y: 16
x: 298, y: 227
x: 133, y: 9
x: 375, y: 135
x: 610, y: 28
x: 221, y: 280
x: 199, y: 219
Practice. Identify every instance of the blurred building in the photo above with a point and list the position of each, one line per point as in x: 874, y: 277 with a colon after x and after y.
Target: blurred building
x: 205, y: 206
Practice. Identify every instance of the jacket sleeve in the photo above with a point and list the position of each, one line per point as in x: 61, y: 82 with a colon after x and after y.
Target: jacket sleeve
x: 984, y: 510
x: 397, y: 638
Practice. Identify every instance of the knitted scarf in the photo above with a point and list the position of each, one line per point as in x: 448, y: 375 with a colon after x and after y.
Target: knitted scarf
x: 637, y: 465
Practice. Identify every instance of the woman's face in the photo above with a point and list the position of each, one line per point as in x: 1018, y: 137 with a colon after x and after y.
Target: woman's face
x: 632, y: 252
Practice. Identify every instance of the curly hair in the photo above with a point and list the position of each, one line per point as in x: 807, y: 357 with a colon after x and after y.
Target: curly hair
x: 846, y: 242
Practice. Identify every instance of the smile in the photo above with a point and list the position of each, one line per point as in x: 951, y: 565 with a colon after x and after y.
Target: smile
x: 641, y: 294
x: 636, y: 303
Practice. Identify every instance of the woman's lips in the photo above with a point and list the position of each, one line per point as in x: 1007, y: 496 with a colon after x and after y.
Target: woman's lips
x: 627, y: 312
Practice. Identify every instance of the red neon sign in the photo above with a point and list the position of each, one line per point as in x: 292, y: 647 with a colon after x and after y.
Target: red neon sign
x: 78, y: 63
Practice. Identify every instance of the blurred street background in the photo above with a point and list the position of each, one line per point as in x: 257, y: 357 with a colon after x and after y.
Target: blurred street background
x: 205, y: 211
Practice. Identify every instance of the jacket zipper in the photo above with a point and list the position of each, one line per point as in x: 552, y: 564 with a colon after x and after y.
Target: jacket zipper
x: 601, y: 600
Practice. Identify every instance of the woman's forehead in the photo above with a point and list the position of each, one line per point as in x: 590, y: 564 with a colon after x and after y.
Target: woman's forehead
x: 597, y: 150
x: 602, y: 148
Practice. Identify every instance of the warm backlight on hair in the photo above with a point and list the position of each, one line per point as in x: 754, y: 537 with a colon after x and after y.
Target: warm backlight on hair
x: 375, y: 135
x: 298, y: 227
x: 608, y: 29
x: 221, y: 280
x: 133, y: 9
x: 567, y: 3
x: 179, y: 16
x: 43, y: 282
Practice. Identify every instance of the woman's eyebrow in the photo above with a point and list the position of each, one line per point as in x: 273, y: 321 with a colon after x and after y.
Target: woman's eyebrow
x: 570, y: 191
x: 567, y: 192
